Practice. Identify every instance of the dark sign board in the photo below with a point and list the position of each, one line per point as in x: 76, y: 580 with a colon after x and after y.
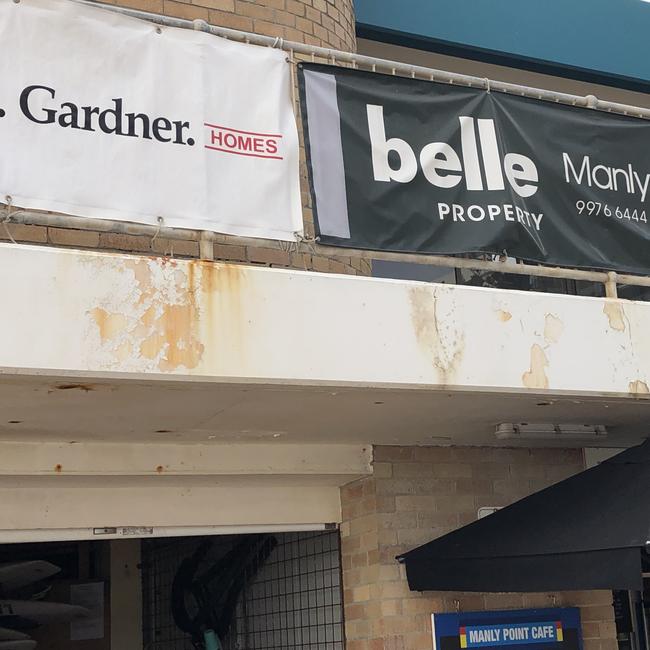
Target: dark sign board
x: 622, y: 612
x: 534, y: 629
x: 413, y: 166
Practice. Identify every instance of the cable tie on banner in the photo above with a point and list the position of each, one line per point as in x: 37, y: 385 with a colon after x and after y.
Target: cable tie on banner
x: 302, y: 239
x: 487, y: 84
x: 307, y: 241
x: 7, y: 219
x: 279, y: 41
x: 160, y: 221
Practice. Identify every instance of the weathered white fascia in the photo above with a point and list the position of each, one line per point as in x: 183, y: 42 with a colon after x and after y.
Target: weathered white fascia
x: 98, y: 314
x: 327, y: 464
x: 53, y: 486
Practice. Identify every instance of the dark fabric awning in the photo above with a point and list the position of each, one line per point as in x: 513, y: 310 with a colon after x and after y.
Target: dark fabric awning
x: 586, y: 532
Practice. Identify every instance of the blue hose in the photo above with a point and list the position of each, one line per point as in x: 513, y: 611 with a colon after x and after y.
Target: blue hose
x: 211, y: 640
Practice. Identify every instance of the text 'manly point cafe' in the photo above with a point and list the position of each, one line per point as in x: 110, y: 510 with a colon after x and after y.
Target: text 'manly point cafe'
x: 198, y: 450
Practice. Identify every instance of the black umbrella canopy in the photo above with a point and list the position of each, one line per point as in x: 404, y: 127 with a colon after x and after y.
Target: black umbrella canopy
x: 586, y: 532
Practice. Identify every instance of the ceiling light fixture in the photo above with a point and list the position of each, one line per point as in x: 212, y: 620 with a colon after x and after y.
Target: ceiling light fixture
x: 542, y: 431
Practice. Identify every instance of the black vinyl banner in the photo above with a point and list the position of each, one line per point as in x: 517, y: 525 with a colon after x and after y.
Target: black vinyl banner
x: 406, y: 165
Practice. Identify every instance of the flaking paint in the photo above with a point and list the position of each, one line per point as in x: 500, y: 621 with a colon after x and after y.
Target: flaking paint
x: 171, y: 340
x: 639, y: 387
x: 110, y: 325
x: 535, y: 376
x: 553, y: 328
x: 158, y: 322
x: 435, y: 333
x: 613, y: 309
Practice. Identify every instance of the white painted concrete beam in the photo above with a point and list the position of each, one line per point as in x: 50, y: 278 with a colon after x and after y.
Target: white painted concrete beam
x: 66, y: 460
x: 93, y: 313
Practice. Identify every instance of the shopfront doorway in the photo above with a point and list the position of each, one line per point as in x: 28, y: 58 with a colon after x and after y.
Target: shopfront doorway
x: 265, y: 591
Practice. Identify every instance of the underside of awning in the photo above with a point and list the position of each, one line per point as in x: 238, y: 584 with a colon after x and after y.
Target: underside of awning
x: 590, y: 531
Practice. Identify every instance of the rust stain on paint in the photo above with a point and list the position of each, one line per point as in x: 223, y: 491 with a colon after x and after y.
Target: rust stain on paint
x: 124, y: 351
x: 224, y: 280
x: 159, y: 318
x: 86, y: 388
x: 613, y: 309
x: 639, y: 387
x: 553, y: 328
x: 435, y: 334
x: 171, y: 338
x: 110, y: 325
x: 220, y: 287
x: 504, y: 316
x: 162, y: 316
x: 423, y: 316
x: 142, y: 274
x: 536, y: 377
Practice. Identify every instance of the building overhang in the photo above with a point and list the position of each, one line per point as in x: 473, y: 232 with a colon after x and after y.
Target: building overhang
x: 115, y: 347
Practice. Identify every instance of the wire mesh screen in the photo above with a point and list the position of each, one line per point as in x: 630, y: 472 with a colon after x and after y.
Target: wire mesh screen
x: 292, y: 602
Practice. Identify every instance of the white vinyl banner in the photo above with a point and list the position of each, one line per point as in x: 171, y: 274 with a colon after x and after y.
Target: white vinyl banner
x: 112, y: 117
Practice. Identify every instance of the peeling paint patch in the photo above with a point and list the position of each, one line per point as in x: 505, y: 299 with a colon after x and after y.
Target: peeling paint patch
x: 536, y: 377
x: 170, y: 340
x: 553, y: 328
x: 110, y: 325
x: 613, y: 309
x: 639, y: 387
x: 435, y: 331
x: 157, y: 322
x: 504, y: 316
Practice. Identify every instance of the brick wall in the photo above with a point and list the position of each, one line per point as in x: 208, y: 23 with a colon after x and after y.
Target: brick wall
x: 326, y: 23
x: 268, y: 253
x: 419, y: 493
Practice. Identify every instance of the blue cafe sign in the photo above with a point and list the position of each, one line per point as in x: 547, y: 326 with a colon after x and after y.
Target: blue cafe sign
x: 555, y: 628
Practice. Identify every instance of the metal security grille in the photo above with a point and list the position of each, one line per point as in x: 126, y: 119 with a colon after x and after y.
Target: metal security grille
x: 293, y: 603
x: 160, y: 561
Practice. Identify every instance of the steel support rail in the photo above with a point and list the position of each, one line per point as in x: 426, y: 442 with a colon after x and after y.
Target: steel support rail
x: 374, y: 63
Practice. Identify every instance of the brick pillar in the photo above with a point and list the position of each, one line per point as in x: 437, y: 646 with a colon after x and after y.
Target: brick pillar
x: 419, y: 493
